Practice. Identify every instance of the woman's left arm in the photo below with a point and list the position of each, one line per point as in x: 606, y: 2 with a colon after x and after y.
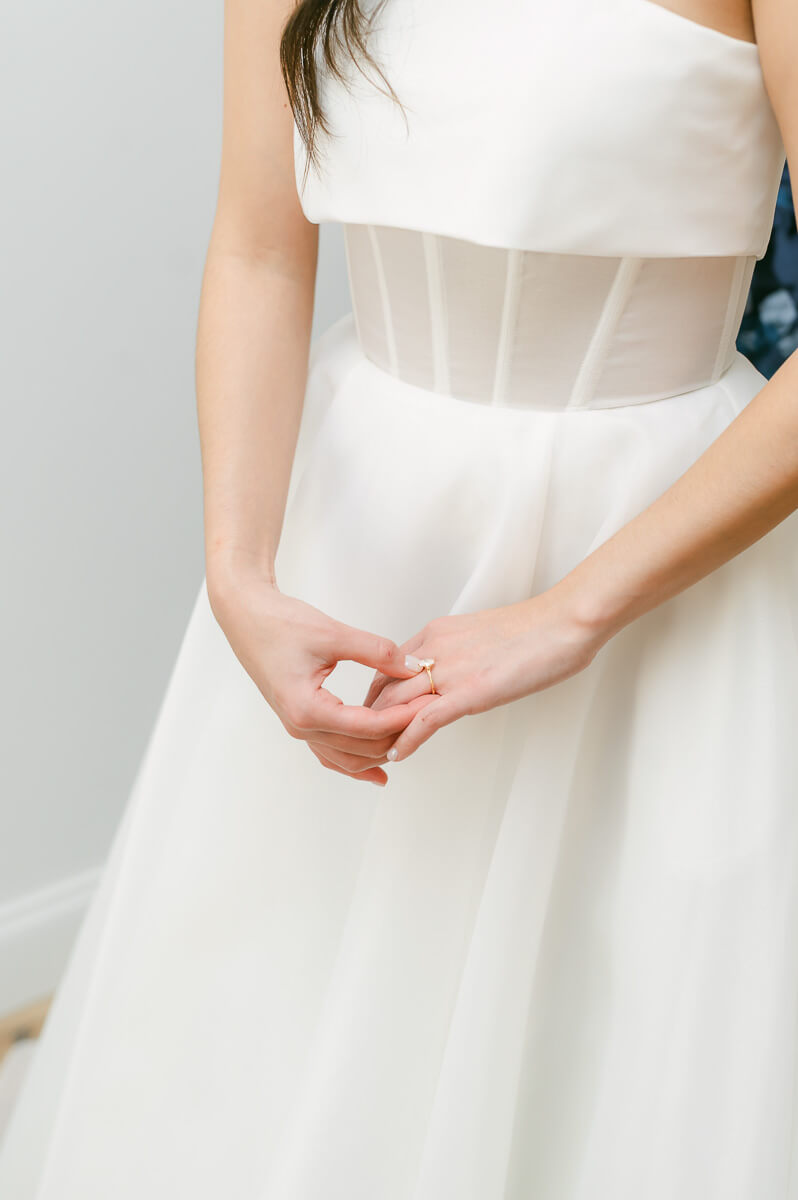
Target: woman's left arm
x: 739, y: 489
x: 746, y: 482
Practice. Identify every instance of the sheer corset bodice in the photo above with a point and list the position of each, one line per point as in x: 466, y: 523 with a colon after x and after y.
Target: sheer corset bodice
x: 532, y: 329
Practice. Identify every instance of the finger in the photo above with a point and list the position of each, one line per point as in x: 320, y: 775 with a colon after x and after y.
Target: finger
x: 440, y: 711
x: 355, y: 763
x: 372, y: 651
x: 375, y: 775
x: 362, y: 747
x: 375, y: 688
x: 397, y: 691
x: 403, y: 691
x: 411, y: 646
x: 325, y: 712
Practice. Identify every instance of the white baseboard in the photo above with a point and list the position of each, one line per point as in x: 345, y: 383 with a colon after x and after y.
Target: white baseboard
x: 36, y: 936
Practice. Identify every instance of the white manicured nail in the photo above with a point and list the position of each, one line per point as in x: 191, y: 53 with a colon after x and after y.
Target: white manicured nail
x: 412, y: 663
x: 392, y: 753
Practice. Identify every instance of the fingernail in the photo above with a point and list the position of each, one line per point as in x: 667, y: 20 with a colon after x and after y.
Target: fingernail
x: 412, y: 663
x: 380, y: 782
x: 392, y: 754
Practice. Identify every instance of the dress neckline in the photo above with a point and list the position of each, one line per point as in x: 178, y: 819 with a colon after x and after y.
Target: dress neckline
x: 707, y: 31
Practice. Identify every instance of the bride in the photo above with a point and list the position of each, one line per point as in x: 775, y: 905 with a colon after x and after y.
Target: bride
x: 514, y: 540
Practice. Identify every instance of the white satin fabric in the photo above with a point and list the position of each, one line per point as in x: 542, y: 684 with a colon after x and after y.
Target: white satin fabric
x: 557, y: 956
x: 573, y: 126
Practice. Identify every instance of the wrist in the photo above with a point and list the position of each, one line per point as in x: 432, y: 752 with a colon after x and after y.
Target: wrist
x: 594, y: 615
x: 230, y: 569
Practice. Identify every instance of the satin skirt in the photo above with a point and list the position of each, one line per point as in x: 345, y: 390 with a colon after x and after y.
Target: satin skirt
x: 555, y: 957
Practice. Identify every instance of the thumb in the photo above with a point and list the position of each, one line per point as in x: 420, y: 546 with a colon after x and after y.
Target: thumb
x: 372, y: 650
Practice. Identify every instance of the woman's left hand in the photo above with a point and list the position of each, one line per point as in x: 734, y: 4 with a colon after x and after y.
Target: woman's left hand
x: 485, y: 659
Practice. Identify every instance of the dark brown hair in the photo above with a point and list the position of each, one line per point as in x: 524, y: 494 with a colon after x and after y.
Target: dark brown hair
x: 327, y: 28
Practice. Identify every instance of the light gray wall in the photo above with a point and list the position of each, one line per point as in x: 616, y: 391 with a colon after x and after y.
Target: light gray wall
x: 109, y: 143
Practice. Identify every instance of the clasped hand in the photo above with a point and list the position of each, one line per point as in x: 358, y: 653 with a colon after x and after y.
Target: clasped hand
x: 482, y: 660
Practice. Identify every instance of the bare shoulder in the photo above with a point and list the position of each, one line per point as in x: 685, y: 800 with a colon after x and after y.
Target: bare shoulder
x: 776, y: 24
x: 732, y: 17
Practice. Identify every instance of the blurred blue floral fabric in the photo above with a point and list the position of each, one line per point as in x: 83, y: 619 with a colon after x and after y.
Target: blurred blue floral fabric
x: 769, y: 330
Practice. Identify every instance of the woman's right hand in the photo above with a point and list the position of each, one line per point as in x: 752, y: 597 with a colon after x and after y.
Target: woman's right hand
x: 288, y: 648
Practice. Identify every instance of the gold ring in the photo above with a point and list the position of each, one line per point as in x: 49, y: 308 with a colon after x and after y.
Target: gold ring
x: 419, y: 664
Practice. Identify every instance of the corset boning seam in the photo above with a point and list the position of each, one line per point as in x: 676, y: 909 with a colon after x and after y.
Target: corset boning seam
x: 523, y: 328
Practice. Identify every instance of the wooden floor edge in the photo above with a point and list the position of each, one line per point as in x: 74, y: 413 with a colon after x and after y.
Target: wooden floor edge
x: 24, y: 1023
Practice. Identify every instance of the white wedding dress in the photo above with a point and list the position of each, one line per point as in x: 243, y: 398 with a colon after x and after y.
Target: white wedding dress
x: 556, y: 957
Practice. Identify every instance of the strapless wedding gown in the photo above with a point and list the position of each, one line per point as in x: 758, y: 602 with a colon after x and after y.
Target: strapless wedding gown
x: 557, y: 956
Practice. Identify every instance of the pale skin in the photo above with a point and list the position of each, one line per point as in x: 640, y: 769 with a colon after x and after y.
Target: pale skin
x: 252, y: 347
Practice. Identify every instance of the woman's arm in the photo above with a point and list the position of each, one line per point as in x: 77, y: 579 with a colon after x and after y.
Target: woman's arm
x: 256, y: 308
x: 742, y: 486
x: 746, y: 482
x: 739, y: 489
x: 253, y: 342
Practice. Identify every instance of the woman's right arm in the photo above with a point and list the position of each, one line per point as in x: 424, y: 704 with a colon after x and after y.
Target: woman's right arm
x: 253, y: 342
